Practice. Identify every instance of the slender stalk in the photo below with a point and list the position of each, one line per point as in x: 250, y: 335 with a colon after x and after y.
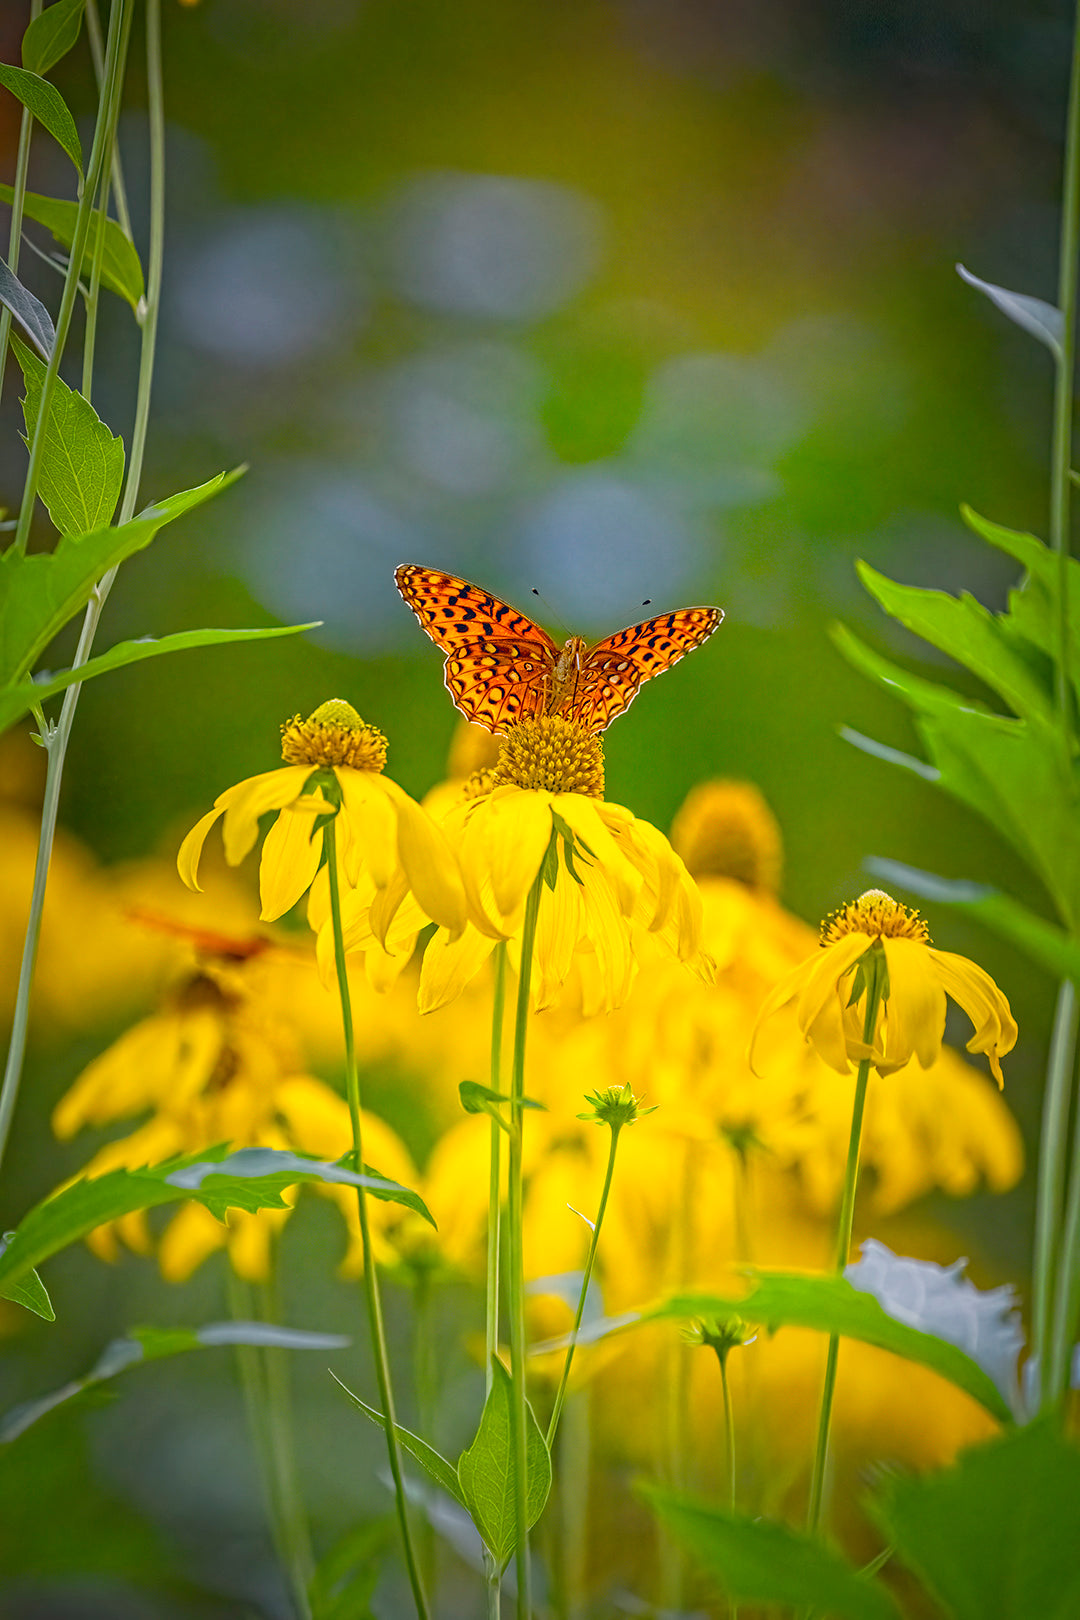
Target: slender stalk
x: 843, y: 1241
x: 371, y: 1280
x: 729, y: 1431
x: 1050, y: 1195
x: 100, y: 155
x: 560, y: 1395
x: 93, y: 34
x: 498, y: 1005
x: 515, y: 1246
x: 1061, y: 454
x: 93, y: 294
x: 18, y: 190
x: 425, y: 1386
x: 681, y: 1269
x: 1066, y: 1306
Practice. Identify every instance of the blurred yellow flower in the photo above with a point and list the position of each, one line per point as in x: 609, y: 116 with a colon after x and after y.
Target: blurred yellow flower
x: 911, y: 1017
x: 334, y: 766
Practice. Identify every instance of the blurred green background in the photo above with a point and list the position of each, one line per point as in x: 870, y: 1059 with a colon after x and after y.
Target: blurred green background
x: 651, y: 299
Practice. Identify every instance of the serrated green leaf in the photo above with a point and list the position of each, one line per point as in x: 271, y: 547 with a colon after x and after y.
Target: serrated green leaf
x: 82, y: 465
x: 432, y: 1461
x: 29, y: 1291
x: 249, y: 1179
x: 969, y: 633
x: 756, y: 1561
x: 121, y: 271
x: 51, y: 35
x: 996, y: 1534
x: 155, y: 1344
x: 29, y: 311
x: 1045, y: 943
x: 17, y: 700
x: 1044, y: 321
x: 486, y: 1469
x: 47, y: 105
x: 41, y: 592
x: 381, y: 1187
x: 831, y: 1305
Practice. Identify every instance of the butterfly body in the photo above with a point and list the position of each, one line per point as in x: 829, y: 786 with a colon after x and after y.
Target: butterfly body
x: 502, y: 668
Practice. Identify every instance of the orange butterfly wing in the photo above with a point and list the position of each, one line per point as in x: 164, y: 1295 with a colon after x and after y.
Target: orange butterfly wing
x: 499, y: 663
x: 613, y: 672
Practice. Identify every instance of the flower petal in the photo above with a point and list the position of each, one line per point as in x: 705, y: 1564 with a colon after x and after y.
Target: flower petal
x: 584, y: 817
x: 291, y: 853
x: 560, y: 926
x: 915, y: 1010
x: 429, y: 862
x: 372, y: 826
x: 190, y: 852
x: 449, y: 964
x: 247, y: 801
x: 823, y: 972
x: 515, y: 829
x: 985, y: 1004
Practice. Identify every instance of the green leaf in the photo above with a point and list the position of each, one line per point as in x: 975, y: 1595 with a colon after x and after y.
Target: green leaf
x: 478, y: 1099
x: 344, y: 1582
x: 1043, y: 941
x: 968, y: 632
x: 17, y: 700
x: 432, y: 1461
x: 48, y: 106
x: 51, y: 35
x: 40, y: 593
x: 486, y: 1469
x: 29, y: 311
x: 29, y: 1291
x: 121, y: 271
x: 390, y: 1192
x: 155, y: 1344
x: 1035, y: 315
x: 250, y: 1179
x: 997, y: 1534
x: 82, y: 468
x: 1033, y: 610
x: 832, y: 1305
x: 756, y: 1561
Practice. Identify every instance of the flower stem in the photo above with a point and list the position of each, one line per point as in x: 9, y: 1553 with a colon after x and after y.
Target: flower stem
x: 18, y: 197
x: 1050, y: 1197
x: 874, y: 971
x: 729, y: 1431
x: 56, y: 738
x: 371, y: 1280
x: 515, y: 1245
x: 1061, y: 444
x: 560, y: 1395
x: 498, y: 1005
x: 1066, y: 1306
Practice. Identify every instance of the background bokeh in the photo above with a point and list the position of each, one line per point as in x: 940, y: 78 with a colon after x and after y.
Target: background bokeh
x: 620, y: 301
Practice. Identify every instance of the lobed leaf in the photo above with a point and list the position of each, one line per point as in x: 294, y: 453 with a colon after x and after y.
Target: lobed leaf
x: 47, y: 105
x: 249, y: 1179
x: 758, y: 1561
x: 1044, y: 321
x: 51, y: 34
x: 17, y: 700
x: 486, y: 1469
x: 40, y: 593
x: 121, y: 271
x: 433, y: 1462
x: 82, y: 465
x: 29, y: 311
x: 997, y: 1533
x: 154, y: 1344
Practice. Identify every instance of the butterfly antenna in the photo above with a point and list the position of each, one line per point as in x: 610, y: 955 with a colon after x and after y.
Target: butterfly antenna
x: 552, y: 615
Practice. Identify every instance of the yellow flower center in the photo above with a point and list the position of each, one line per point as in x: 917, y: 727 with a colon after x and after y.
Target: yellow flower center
x: 725, y: 829
x: 875, y: 913
x: 476, y: 785
x: 333, y: 735
x: 551, y: 754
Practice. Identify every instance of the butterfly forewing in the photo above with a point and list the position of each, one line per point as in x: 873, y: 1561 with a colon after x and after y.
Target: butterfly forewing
x: 613, y: 672
x: 498, y: 662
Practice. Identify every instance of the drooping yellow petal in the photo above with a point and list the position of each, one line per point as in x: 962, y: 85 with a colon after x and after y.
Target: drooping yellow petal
x: 560, y: 925
x: 190, y: 852
x: 829, y: 1032
x: 823, y: 972
x: 515, y: 824
x: 985, y: 1004
x: 429, y: 862
x: 247, y: 801
x: 372, y: 826
x: 915, y: 1011
x: 583, y: 816
x: 610, y: 939
x: 449, y: 964
x: 290, y: 858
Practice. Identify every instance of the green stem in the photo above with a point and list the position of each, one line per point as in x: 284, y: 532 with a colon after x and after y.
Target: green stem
x: 729, y: 1430
x: 560, y: 1395
x: 575, y: 1444
x: 56, y: 738
x: 93, y: 294
x: 100, y: 156
x: 1066, y: 1305
x: 93, y: 34
x: 425, y: 1383
x: 515, y: 1246
x: 498, y: 1005
x: 1050, y: 1196
x: 1061, y: 454
x: 371, y: 1280
x: 18, y: 196
x: 874, y: 971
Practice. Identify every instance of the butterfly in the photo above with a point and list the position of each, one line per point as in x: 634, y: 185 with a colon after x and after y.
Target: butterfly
x: 502, y: 668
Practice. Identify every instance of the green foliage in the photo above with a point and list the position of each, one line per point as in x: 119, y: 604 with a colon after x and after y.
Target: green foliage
x: 831, y: 1305
x: 30, y: 1292
x: 29, y: 311
x: 41, y: 592
x: 121, y: 271
x: 48, y: 106
x: 389, y: 1192
x: 251, y: 1179
x: 156, y: 1344
x: 51, y: 35
x: 435, y: 1465
x: 1044, y: 321
x: 478, y: 1099
x: 998, y: 1533
x: 344, y: 1582
x: 82, y: 467
x: 756, y: 1561
x: 486, y: 1469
